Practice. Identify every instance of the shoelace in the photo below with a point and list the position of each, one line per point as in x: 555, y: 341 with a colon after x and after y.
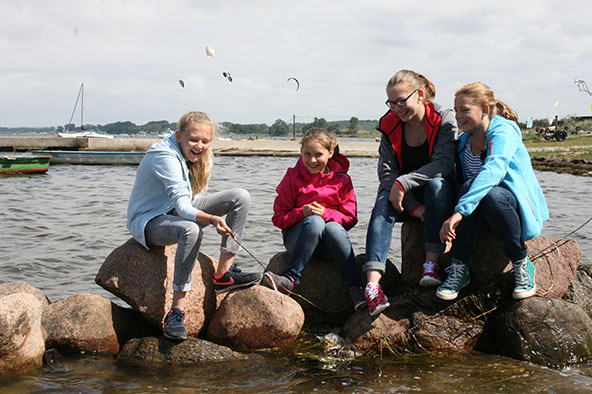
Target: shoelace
x: 429, y: 267
x: 521, y: 275
x: 175, y: 318
x: 455, y: 272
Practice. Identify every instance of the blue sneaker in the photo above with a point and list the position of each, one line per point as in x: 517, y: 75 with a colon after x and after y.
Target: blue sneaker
x: 458, y: 278
x: 234, y: 278
x: 524, y: 285
x: 174, y: 325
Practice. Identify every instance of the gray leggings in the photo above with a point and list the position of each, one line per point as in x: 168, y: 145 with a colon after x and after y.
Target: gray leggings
x: 169, y: 229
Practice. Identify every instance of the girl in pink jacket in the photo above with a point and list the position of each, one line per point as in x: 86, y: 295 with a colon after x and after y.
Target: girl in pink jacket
x: 315, y: 207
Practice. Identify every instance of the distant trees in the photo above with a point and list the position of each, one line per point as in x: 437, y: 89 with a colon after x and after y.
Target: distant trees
x: 353, y: 123
x: 279, y: 128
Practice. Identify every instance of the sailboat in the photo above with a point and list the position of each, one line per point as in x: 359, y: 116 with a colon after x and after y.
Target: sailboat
x: 82, y: 132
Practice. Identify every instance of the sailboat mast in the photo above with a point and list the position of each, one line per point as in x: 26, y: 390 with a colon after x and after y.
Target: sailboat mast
x: 82, y: 106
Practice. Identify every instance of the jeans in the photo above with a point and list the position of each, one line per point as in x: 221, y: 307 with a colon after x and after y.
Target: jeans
x: 438, y: 198
x: 500, y: 209
x: 169, y: 229
x: 328, y: 240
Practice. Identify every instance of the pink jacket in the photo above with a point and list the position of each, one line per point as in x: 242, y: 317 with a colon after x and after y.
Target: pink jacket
x: 334, y: 191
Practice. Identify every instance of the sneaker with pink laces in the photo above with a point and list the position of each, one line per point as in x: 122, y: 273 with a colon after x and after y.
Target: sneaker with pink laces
x: 377, y: 301
x: 430, y: 275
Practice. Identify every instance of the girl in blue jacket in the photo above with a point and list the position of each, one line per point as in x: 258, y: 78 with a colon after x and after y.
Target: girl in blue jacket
x: 499, y: 185
x: 168, y: 206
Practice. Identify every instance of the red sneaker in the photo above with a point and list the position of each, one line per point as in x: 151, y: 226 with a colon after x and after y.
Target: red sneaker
x: 430, y: 275
x: 377, y: 301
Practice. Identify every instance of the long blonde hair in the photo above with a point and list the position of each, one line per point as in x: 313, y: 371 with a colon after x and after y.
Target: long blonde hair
x: 480, y: 94
x: 199, y: 171
x: 323, y: 137
x: 414, y: 81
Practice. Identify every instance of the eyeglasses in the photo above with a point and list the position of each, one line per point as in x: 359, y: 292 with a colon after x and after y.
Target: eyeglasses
x: 400, y: 102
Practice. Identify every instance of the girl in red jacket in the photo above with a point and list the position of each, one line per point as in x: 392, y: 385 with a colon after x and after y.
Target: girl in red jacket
x: 315, y: 207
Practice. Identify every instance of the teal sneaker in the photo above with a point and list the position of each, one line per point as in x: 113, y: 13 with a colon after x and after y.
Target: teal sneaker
x: 524, y: 285
x: 458, y: 278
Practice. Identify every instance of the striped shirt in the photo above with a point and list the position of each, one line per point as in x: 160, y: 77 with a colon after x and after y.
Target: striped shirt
x: 473, y: 163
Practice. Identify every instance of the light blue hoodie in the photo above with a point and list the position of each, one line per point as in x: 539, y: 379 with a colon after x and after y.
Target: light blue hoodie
x: 162, y: 183
x: 508, y: 164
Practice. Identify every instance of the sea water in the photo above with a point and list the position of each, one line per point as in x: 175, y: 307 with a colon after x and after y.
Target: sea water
x: 58, y: 229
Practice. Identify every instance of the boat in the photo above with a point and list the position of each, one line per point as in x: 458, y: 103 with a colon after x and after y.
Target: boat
x: 95, y: 133
x: 25, y: 164
x: 93, y: 157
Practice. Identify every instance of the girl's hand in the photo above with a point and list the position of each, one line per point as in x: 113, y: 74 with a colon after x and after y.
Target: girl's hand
x: 419, y: 212
x: 220, y: 224
x: 396, y: 197
x: 448, y: 229
x: 314, y: 208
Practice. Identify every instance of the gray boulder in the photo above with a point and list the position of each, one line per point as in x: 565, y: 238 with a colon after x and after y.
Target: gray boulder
x: 544, y: 331
x: 256, y: 318
x: 91, y: 323
x: 158, y: 352
x: 144, y: 279
x: 581, y: 288
x: 22, y: 340
x: 22, y: 287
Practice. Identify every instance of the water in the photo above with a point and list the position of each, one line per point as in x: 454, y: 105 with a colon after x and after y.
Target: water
x: 60, y: 227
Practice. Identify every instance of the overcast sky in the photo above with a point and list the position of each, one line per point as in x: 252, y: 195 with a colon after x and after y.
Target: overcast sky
x: 131, y: 54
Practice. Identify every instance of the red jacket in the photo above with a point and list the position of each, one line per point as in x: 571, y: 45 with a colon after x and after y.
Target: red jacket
x: 391, y: 125
x: 334, y: 191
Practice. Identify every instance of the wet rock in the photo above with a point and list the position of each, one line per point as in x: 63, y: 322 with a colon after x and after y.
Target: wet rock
x: 581, y: 288
x: 365, y: 331
x: 256, y: 318
x: 544, y: 331
x: 152, y: 351
x: 90, y: 323
x: 144, y: 279
x: 556, y: 260
x: 22, y: 287
x: 22, y: 340
x: 323, y: 286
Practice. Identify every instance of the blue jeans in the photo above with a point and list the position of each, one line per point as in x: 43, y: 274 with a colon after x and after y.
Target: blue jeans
x: 329, y: 240
x: 187, y: 234
x: 500, y: 209
x: 438, y: 197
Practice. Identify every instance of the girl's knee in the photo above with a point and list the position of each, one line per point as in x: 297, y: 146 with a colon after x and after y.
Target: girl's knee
x: 314, y: 223
x: 191, y: 233
x: 242, y: 196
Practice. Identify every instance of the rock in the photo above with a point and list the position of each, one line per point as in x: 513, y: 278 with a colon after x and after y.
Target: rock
x: 323, y: 285
x: 144, y: 279
x: 22, y: 287
x: 256, y: 318
x: 548, y: 332
x: 90, y: 323
x: 581, y: 288
x: 365, y: 331
x: 152, y: 351
x: 22, y: 340
x: 556, y: 260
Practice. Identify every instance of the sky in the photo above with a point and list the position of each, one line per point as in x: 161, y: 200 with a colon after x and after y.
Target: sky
x: 130, y: 55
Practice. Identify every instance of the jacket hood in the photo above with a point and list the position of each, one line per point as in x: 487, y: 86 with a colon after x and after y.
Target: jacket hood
x: 338, y: 164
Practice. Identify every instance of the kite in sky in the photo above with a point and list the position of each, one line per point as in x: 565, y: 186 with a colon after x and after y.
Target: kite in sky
x: 182, y: 83
x: 295, y: 80
x: 210, y: 52
x: 227, y: 76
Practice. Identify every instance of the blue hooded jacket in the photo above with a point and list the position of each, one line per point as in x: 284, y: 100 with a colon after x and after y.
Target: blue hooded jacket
x: 162, y: 183
x: 508, y: 164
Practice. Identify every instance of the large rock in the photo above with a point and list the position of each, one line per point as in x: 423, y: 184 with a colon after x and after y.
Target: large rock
x: 556, y: 260
x: 22, y: 287
x: 544, y: 331
x: 22, y: 340
x: 581, y: 288
x: 90, y: 323
x: 256, y: 318
x: 152, y: 351
x: 321, y: 293
x: 144, y: 279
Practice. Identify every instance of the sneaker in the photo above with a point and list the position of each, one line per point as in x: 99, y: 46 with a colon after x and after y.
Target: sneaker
x: 429, y: 275
x: 356, y: 293
x: 174, y: 324
x: 377, y: 301
x: 458, y: 278
x: 283, y: 284
x: 524, y: 285
x: 233, y: 279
